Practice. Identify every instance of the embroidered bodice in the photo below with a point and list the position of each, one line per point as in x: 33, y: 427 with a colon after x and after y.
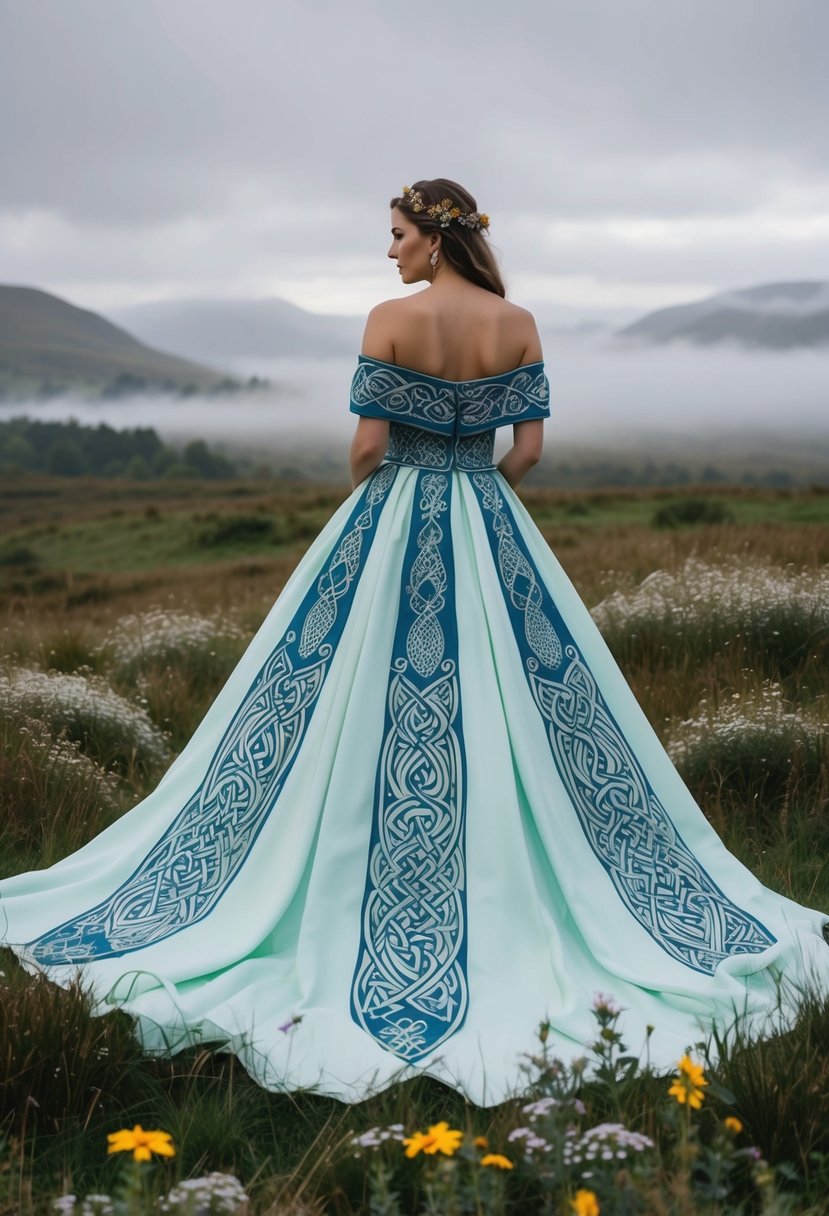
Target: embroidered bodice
x: 445, y: 424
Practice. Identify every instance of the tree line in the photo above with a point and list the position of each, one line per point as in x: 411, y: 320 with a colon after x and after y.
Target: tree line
x: 71, y: 449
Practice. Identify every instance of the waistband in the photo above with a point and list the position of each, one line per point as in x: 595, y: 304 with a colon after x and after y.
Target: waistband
x: 415, y: 447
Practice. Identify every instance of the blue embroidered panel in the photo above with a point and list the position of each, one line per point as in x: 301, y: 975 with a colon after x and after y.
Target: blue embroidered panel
x: 386, y: 390
x: 203, y: 850
x: 410, y: 988
x: 414, y: 446
x: 655, y: 874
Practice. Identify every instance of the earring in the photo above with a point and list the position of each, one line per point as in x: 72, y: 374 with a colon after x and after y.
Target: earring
x: 434, y: 258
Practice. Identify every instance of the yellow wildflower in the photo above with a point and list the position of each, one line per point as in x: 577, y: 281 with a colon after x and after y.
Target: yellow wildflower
x: 689, y: 1083
x: 585, y: 1203
x: 141, y: 1144
x: 732, y: 1124
x: 440, y: 1138
x: 484, y: 220
x: 481, y: 1142
x: 498, y: 1160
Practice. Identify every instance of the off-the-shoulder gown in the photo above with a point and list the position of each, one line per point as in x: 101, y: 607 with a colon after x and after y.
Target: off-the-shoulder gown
x: 424, y: 814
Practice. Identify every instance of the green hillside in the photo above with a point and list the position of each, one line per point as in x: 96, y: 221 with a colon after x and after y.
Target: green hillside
x: 47, y: 345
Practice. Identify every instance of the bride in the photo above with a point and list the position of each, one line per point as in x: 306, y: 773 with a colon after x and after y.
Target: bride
x: 425, y: 813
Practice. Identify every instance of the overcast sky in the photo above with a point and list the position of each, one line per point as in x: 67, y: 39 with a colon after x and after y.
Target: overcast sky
x: 630, y: 153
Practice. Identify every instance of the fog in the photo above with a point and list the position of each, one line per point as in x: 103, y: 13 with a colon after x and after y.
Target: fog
x: 604, y: 394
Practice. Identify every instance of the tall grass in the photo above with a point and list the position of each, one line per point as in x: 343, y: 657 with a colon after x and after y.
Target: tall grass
x: 721, y: 632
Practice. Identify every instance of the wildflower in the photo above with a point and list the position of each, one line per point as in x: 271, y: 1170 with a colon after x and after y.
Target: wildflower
x: 605, y: 1004
x: 542, y: 1106
x: 291, y: 1023
x: 481, y: 1142
x: 376, y: 1136
x: 607, y: 1140
x: 498, y: 1160
x: 733, y: 1125
x: 689, y: 1083
x: 585, y: 1203
x: 216, y: 1193
x: 83, y: 706
x: 440, y: 1138
x: 141, y: 1144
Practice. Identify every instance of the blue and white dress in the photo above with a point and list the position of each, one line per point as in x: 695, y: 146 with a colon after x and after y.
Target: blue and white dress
x: 425, y: 813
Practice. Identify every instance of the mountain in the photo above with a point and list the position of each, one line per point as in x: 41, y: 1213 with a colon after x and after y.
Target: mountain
x: 48, y: 345
x: 237, y: 329
x: 777, y: 316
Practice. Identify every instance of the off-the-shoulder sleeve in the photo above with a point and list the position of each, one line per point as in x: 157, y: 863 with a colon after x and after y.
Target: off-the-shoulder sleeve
x: 382, y: 390
x: 517, y: 396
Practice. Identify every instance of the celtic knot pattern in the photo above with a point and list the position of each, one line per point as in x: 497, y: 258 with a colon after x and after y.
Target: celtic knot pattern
x: 410, y: 989
x: 655, y: 874
x: 412, y: 445
x: 449, y: 407
x: 524, y: 392
x: 426, y: 591
x: 187, y: 871
x: 384, y: 390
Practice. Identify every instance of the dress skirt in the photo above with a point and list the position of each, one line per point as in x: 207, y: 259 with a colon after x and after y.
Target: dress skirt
x: 424, y: 815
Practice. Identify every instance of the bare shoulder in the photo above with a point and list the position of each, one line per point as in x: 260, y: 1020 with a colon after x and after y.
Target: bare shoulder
x: 523, y: 331
x: 381, y: 324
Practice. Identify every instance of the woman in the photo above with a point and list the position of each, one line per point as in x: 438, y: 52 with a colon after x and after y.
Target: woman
x: 425, y: 813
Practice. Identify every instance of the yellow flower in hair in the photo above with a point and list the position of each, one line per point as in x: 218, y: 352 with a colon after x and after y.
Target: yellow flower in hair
x: 484, y: 220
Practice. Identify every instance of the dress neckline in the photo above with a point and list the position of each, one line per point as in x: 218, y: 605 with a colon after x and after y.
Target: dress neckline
x: 399, y: 367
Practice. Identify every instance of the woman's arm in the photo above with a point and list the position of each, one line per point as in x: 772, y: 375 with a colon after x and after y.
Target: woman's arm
x: 368, y: 447
x: 527, y: 437
x: 371, y: 439
x: 528, y: 442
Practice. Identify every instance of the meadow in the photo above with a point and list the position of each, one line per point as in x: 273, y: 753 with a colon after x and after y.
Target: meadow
x: 124, y: 607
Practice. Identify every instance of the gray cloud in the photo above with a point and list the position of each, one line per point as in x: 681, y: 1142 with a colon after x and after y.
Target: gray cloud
x: 201, y: 146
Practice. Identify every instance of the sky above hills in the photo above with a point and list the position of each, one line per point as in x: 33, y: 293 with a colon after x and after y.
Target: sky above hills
x: 630, y: 155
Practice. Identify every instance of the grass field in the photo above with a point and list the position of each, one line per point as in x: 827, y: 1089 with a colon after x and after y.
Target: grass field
x: 737, y: 691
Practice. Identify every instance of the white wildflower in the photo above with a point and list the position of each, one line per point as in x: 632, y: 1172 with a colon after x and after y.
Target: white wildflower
x: 214, y: 1194
x: 756, y: 718
x: 735, y: 597
x: 161, y: 633
x: 81, y: 704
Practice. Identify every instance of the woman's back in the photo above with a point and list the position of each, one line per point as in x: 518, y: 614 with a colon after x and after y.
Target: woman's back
x: 461, y: 334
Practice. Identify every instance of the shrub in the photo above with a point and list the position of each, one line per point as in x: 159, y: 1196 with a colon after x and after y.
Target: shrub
x: 780, y: 616
x: 238, y: 530
x: 52, y: 796
x: 87, y: 711
x: 176, y: 661
x: 691, y: 511
x: 753, y: 746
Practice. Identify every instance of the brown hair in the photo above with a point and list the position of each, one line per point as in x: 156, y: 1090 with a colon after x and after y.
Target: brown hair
x: 464, y: 248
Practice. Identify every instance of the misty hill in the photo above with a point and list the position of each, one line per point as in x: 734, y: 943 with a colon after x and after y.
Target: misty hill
x: 48, y: 345
x: 776, y: 316
x: 231, y: 329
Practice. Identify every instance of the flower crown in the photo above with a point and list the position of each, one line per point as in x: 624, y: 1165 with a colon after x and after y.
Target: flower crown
x: 445, y: 211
